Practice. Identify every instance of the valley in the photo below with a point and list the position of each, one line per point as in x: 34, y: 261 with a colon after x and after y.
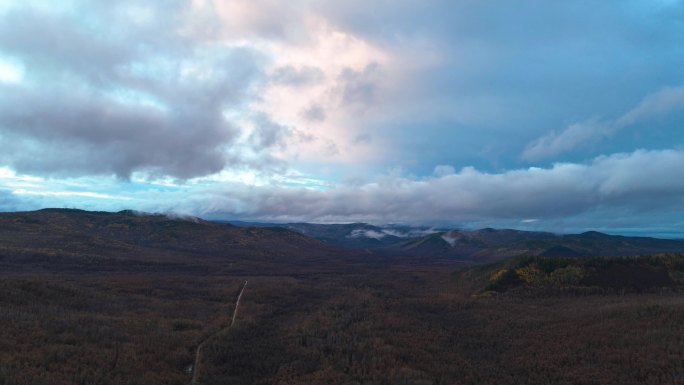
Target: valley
x: 112, y: 298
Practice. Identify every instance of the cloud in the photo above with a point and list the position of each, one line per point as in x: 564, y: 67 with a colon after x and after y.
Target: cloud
x: 444, y: 170
x: 361, y: 233
x: 81, y: 194
x: 291, y: 76
x: 360, y: 87
x: 660, y: 103
x: 268, y: 20
x: 426, y: 79
x: 638, y: 182
x: 8, y: 202
x: 474, y: 71
x: 592, y: 131
x: 222, y: 108
x: 636, y: 190
x: 575, y: 135
x: 157, y: 105
x: 314, y: 112
x: 268, y: 134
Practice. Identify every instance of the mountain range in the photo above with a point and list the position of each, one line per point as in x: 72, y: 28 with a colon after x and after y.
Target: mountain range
x: 60, y: 238
x: 477, y: 245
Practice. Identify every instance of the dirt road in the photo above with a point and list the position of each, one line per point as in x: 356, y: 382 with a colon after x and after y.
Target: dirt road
x: 198, y: 353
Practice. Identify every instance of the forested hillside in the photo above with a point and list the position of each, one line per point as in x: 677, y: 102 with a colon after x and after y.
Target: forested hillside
x: 75, y: 311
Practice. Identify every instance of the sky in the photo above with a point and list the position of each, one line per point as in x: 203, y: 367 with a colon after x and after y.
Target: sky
x: 543, y: 115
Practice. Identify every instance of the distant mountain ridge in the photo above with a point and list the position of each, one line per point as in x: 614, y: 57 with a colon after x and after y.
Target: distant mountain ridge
x: 352, y: 235
x: 480, y: 245
x: 492, y: 244
x: 105, y: 240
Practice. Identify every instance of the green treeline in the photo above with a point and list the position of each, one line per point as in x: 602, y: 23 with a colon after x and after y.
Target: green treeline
x: 634, y: 274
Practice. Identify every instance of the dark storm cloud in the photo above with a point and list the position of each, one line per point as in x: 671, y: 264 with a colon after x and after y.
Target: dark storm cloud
x: 94, y: 102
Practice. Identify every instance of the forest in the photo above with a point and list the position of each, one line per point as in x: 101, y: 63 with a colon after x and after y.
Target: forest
x: 329, y: 318
x: 380, y: 328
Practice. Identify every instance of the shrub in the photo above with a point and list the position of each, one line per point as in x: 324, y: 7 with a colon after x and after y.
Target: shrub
x: 502, y: 280
x: 531, y: 275
x: 567, y: 276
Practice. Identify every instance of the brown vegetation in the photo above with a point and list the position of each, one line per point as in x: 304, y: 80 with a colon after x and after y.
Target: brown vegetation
x: 326, y: 318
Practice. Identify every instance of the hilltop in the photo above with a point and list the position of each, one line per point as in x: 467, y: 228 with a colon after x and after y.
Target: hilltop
x: 542, y: 275
x: 84, y: 240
